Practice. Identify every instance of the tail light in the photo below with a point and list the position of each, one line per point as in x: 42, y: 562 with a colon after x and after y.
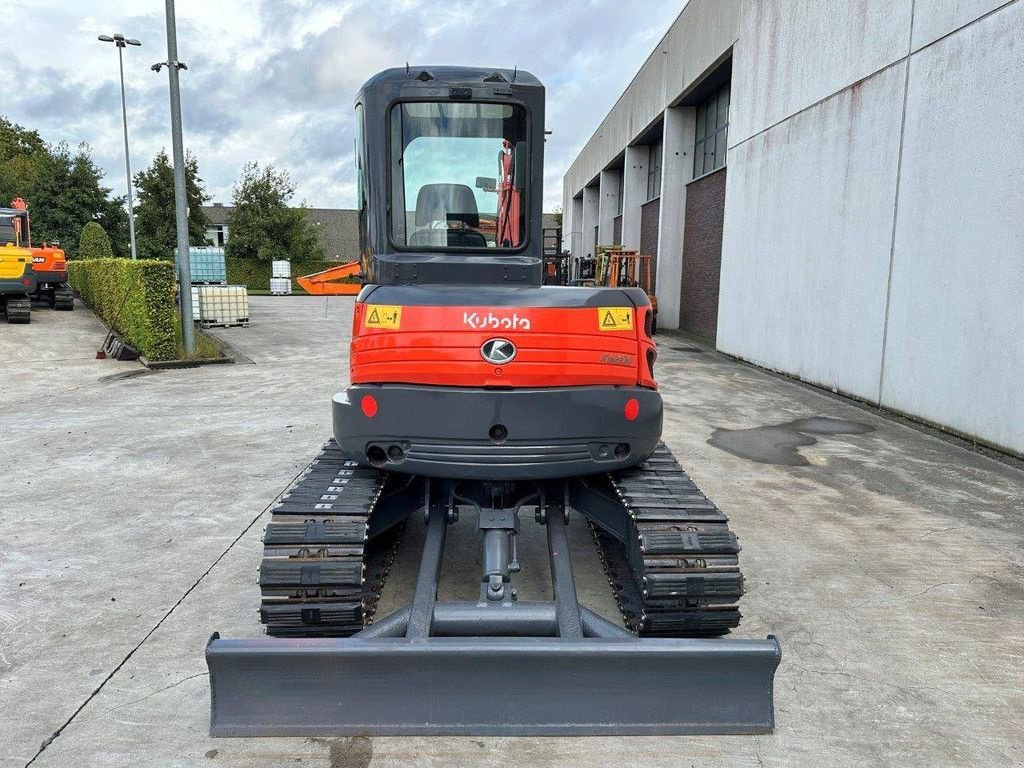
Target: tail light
x: 649, y: 322
x: 652, y: 355
x: 368, y: 405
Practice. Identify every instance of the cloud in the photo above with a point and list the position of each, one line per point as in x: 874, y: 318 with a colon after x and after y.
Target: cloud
x: 274, y: 80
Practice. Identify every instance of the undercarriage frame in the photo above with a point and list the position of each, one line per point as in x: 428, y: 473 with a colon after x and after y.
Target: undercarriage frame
x: 497, y: 666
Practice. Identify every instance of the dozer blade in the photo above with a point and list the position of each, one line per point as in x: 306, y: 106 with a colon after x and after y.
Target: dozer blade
x: 490, y: 686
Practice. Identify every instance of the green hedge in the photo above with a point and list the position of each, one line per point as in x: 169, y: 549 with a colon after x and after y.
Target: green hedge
x: 147, y: 318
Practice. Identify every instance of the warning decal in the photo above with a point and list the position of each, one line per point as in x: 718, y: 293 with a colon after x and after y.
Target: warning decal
x: 615, y: 318
x: 382, y: 316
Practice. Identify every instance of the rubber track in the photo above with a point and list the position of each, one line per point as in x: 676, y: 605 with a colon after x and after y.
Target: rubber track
x: 319, y: 576
x: 63, y: 298
x: 18, y: 309
x: 677, y: 575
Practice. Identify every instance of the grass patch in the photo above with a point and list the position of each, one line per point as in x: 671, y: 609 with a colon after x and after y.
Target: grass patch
x: 206, y: 346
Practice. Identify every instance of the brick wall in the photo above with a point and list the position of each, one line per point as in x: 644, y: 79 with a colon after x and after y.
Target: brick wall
x: 702, y: 254
x: 650, y: 214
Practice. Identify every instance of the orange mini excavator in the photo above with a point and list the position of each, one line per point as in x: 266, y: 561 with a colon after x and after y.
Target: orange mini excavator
x: 480, y: 397
x: 48, y: 262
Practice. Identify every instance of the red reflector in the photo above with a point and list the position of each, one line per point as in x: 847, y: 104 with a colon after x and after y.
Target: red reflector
x: 26, y: 281
x: 369, y: 406
x: 632, y: 409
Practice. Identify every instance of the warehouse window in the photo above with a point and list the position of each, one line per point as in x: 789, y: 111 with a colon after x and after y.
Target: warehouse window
x: 712, y: 133
x: 654, y: 171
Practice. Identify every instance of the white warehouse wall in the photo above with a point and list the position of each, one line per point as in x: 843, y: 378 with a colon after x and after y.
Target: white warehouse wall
x: 874, y: 211
x: 794, y: 53
x: 912, y: 300
x: 805, y: 250
x: 955, y: 346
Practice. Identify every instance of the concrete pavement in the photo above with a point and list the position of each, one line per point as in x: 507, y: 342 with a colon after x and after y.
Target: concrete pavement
x: 888, y: 561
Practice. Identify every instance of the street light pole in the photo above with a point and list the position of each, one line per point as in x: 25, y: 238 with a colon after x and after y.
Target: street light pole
x: 180, y: 200
x: 121, y: 41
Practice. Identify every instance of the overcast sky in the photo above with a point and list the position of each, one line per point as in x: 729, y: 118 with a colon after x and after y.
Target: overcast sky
x: 273, y: 80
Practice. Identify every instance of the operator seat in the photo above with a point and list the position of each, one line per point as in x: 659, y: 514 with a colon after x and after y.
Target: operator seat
x: 448, y: 203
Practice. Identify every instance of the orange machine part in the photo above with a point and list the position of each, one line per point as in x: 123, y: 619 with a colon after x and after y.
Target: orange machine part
x: 555, y: 347
x: 328, y: 282
x: 49, y: 259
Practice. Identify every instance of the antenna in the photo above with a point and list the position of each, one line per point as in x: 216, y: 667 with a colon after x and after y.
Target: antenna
x: 407, y: 69
x: 515, y: 71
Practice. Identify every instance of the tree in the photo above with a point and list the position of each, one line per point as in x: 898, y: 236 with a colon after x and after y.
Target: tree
x: 21, y: 151
x: 262, y: 226
x: 63, y: 189
x: 66, y: 194
x: 94, y: 243
x: 156, y: 232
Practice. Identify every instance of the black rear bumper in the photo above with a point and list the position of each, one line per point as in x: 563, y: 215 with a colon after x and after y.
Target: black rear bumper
x: 488, y: 434
x: 51, y: 278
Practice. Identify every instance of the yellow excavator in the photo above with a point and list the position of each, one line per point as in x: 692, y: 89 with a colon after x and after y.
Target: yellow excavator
x: 17, y: 278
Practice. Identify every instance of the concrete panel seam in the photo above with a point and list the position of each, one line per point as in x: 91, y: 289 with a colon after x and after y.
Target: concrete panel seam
x: 819, y: 102
x: 895, y: 207
x: 910, y: 52
x: 963, y: 26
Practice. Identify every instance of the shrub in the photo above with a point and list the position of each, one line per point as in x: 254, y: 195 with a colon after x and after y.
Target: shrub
x: 94, y: 243
x: 135, y: 297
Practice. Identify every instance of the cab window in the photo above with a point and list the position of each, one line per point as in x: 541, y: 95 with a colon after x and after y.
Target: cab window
x: 459, y: 174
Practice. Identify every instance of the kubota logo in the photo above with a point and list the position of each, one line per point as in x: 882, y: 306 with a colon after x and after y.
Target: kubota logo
x: 613, y: 359
x: 498, y: 351
x: 492, y: 321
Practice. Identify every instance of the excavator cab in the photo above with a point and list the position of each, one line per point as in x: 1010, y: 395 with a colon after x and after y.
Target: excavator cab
x: 481, y: 397
x: 14, y: 227
x: 549, y: 381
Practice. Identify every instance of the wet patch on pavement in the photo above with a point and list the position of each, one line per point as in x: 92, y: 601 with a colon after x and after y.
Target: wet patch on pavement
x: 351, y: 752
x: 780, y: 443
